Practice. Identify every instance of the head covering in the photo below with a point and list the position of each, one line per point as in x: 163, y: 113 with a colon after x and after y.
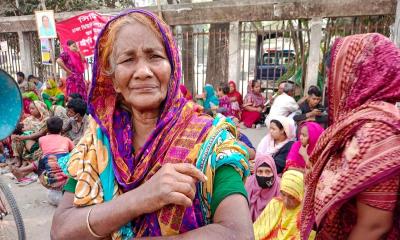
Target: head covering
x: 363, y: 82
x: 53, y: 90
x: 267, y: 144
x: 294, y: 159
x: 258, y: 196
x: 76, y: 59
x: 277, y: 221
x: 61, y: 112
x: 186, y: 94
x: 210, y: 98
x: 293, y: 183
x: 235, y: 93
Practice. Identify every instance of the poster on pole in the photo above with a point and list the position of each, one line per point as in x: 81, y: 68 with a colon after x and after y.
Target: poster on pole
x: 3, y: 46
x: 46, y: 24
x: 82, y: 29
x: 45, y: 48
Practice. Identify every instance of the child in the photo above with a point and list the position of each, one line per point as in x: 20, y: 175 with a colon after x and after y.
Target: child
x: 53, y: 146
x: 225, y: 106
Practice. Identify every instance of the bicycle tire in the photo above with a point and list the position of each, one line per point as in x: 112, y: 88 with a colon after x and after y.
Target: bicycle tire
x: 15, y: 210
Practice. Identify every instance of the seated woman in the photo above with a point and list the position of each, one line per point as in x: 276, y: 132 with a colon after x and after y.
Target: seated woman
x: 52, y: 95
x: 278, y: 141
x: 208, y: 99
x: 149, y: 165
x: 25, y: 146
x: 263, y: 185
x: 236, y: 99
x: 281, y: 218
x: 29, y: 96
x: 298, y: 157
x: 253, y: 106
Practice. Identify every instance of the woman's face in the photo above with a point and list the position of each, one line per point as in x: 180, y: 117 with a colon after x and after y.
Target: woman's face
x: 264, y: 172
x: 304, y: 136
x: 142, y: 70
x: 257, y: 87
x: 231, y: 87
x: 45, y: 21
x: 48, y: 85
x: 289, y: 201
x: 276, y: 133
x: 73, y: 47
x: 34, y: 111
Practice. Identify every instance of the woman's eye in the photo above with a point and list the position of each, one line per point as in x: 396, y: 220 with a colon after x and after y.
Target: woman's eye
x: 156, y: 56
x: 127, y: 60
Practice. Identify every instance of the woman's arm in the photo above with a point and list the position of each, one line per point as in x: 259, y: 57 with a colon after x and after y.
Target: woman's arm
x: 372, y: 223
x: 172, y: 184
x: 34, y: 136
x: 253, y: 109
x: 62, y: 65
x: 227, y: 224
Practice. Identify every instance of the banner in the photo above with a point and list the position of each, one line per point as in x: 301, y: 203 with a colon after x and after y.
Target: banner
x: 45, y: 48
x: 83, y: 29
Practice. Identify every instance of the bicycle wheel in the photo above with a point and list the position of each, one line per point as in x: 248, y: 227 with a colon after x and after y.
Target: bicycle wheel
x: 11, y: 224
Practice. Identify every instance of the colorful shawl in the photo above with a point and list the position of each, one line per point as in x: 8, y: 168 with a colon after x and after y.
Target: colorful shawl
x: 178, y: 137
x: 294, y: 159
x: 210, y: 97
x: 235, y: 94
x: 76, y: 60
x: 186, y: 94
x: 277, y: 221
x: 267, y: 144
x: 259, y: 198
x: 364, y: 80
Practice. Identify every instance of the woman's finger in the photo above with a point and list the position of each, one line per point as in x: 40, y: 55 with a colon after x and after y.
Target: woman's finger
x: 179, y: 199
x: 189, y: 190
x: 189, y: 169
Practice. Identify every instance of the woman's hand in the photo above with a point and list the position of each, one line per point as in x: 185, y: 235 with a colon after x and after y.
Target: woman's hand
x: 172, y: 184
x: 303, y: 152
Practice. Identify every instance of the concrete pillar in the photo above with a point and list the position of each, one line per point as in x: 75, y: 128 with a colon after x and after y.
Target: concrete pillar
x: 234, y: 52
x: 314, y: 53
x: 395, y: 28
x: 25, y: 46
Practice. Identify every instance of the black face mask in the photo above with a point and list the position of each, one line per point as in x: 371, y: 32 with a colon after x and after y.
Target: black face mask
x: 265, y: 182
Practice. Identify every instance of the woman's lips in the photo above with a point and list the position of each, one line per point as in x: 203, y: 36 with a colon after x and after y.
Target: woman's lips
x: 144, y: 88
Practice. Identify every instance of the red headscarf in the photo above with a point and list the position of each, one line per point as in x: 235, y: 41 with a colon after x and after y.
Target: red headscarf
x: 364, y: 80
x: 236, y: 94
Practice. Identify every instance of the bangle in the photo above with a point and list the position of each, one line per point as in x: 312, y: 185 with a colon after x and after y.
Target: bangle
x: 88, y: 225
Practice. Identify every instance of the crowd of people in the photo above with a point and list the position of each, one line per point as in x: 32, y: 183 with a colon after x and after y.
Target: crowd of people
x: 164, y: 162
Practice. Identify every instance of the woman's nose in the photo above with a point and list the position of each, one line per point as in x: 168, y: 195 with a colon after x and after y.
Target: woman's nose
x: 143, y: 70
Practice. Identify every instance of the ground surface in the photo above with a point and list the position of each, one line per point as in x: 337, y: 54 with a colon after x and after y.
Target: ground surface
x: 38, y: 213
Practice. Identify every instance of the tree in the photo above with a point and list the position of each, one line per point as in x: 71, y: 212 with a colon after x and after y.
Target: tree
x: 218, y: 53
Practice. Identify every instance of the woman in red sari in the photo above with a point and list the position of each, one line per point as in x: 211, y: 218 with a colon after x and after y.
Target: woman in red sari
x: 236, y: 99
x: 253, y: 105
x: 352, y: 191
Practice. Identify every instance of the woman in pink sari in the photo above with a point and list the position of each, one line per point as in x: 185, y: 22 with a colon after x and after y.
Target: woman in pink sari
x: 253, y: 105
x: 72, y: 61
x: 301, y: 150
x: 352, y: 191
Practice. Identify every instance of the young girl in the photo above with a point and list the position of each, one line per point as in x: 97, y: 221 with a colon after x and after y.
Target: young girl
x: 225, y: 106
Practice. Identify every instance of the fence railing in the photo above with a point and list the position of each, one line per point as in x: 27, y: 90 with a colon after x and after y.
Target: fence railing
x: 271, y: 51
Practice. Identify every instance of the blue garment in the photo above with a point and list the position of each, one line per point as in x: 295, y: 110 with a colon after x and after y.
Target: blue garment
x: 243, y: 138
x: 211, y: 99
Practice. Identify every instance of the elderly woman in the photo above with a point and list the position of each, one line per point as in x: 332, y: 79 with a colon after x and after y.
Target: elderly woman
x: 149, y: 165
x: 353, y: 188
